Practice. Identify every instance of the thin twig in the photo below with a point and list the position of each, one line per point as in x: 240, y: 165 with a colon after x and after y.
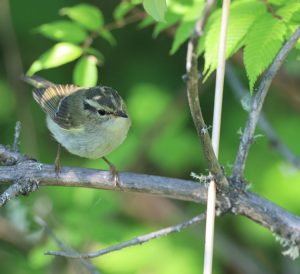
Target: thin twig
x: 241, y: 92
x: 193, y: 98
x: 257, y: 103
x: 132, y: 18
x: 17, y: 136
x: 135, y: 241
x: 21, y: 187
x: 91, y: 268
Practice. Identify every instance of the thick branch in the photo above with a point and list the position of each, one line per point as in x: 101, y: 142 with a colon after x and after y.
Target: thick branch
x: 257, y: 103
x: 284, y: 225
x: 44, y: 175
x: 235, y: 199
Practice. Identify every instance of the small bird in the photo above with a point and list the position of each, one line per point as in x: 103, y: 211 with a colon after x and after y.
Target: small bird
x: 88, y: 122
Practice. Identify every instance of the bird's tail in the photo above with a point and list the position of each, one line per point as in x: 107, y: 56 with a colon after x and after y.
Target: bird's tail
x: 36, y: 81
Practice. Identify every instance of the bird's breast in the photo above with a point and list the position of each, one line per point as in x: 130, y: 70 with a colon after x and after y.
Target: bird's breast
x: 93, y: 140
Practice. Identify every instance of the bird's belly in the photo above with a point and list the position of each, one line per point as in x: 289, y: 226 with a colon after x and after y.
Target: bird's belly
x: 100, y: 140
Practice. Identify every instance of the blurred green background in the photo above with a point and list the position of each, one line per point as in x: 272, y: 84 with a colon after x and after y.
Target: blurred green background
x: 162, y: 141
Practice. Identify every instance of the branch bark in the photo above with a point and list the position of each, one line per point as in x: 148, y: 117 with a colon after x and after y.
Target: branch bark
x: 256, y: 106
x: 241, y: 92
x: 193, y: 98
x: 235, y: 200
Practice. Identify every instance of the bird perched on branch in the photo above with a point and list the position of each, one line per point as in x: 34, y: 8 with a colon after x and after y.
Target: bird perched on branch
x: 88, y: 122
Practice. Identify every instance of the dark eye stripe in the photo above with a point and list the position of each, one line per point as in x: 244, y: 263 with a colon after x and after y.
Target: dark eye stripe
x: 89, y: 107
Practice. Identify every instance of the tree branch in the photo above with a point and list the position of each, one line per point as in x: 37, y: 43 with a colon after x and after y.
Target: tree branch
x: 135, y: 241
x: 44, y: 175
x: 256, y: 106
x: 193, y: 98
x: 241, y: 92
x: 235, y: 199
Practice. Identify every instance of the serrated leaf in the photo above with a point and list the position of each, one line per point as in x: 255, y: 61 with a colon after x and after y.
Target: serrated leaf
x: 281, y: 2
x: 262, y: 43
x: 276, y: 2
x: 183, y: 32
x: 155, y: 8
x: 242, y: 16
x: 85, y: 73
x: 87, y: 15
x: 59, y: 54
x: 63, y: 31
x: 289, y: 12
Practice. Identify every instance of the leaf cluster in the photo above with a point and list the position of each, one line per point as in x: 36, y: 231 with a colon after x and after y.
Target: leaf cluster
x: 74, y: 36
x: 258, y: 27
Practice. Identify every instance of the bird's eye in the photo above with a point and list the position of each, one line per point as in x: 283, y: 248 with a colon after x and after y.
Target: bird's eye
x: 102, y: 112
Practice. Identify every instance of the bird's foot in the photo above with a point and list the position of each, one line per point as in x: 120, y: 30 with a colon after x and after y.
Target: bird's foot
x: 57, y: 167
x: 114, y: 173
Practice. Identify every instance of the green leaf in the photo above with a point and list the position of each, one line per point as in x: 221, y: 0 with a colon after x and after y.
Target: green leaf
x: 107, y: 35
x: 262, y: 43
x: 96, y: 53
x: 122, y: 9
x: 183, y: 7
x: 155, y: 8
x: 146, y: 22
x: 87, y: 15
x: 183, y: 32
x: 63, y: 31
x: 180, y: 10
x: 289, y: 12
x: 171, y: 19
x: 85, y: 73
x: 281, y: 2
x: 242, y: 16
x: 59, y: 54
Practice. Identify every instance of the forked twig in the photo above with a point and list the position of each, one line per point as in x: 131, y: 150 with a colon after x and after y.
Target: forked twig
x: 241, y: 92
x: 256, y: 106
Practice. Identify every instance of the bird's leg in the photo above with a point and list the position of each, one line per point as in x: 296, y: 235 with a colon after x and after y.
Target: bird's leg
x: 57, y: 161
x: 114, y: 172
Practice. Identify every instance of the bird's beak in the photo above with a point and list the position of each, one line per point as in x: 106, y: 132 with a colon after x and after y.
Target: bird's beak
x: 122, y: 114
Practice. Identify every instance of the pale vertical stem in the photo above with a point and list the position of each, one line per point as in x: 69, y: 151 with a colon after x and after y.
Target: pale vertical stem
x: 209, y: 228
x: 211, y: 196
x: 220, y: 78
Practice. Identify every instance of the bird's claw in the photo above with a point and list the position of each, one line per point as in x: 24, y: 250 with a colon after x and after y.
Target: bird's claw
x: 114, y: 173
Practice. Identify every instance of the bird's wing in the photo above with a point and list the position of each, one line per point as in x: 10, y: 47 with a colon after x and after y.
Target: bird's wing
x: 54, y: 101
x: 36, y: 81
